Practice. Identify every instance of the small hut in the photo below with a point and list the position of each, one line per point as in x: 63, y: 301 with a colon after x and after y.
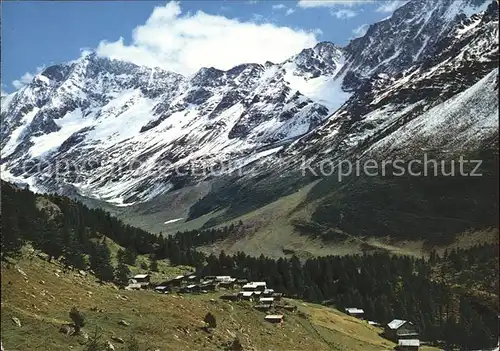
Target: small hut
x: 274, y: 318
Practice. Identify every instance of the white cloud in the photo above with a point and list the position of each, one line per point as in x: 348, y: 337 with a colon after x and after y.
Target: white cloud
x: 25, y: 79
x: 288, y: 11
x: 330, y: 3
x: 318, y: 31
x: 184, y: 43
x: 279, y: 7
x: 360, y: 31
x: 391, y: 6
x: 343, y: 13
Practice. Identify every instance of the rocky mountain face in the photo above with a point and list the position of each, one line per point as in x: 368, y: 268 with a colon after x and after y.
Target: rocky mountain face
x: 385, y: 103
x: 445, y: 105
x: 115, y: 131
x: 410, y: 34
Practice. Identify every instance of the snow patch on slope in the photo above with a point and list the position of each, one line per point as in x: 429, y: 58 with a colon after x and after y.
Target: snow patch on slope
x: 6, y: 101
x: 69, y: 124
x: 173, y: 220
x: 327, y: 90
x: 114, y: 128
x: 14, y: 141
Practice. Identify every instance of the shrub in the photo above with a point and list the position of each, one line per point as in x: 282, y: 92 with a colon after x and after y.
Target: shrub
x: 236, y: 345
x: 78, y: 319
x: 210, y: 320
x: 154, y: 266
x: 94, y: 342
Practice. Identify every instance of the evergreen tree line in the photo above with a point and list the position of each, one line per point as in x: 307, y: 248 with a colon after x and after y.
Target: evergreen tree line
x: 68, y: 230
x: 459, y: 258
x: 385, y: 286
x: 475, y: 267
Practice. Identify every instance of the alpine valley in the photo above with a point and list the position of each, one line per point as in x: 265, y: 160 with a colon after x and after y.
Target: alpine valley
x: 137, y: 141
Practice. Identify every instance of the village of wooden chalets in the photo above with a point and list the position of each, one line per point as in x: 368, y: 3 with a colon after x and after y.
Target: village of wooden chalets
x: 265, y: 299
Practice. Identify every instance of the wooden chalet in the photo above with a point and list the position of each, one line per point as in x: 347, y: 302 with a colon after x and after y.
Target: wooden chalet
x: 208, y: 286
x: 266, y: 300
x: 254, y: 286
x: 408, y: 345
x: 260, y: 286
x: 176, y: 281
x: 274, y: 318
x: 190, y: 288
x: 163, y: 289
x: 355, y: 312
x: 246, y: 295
x: 230, y: 297
x: 399, y: 329
x: 277, y: 296
x: 142, y: 279
x: 268, y: 293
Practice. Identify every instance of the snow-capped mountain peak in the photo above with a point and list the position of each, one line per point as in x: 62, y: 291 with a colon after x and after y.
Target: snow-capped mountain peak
x: 323, y: 59
x: 102, y: 115
x: 408, y: 36
x: 114, y: 111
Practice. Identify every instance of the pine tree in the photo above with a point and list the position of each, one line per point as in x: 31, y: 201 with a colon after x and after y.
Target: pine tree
x: 51, y: 239
x: 369, y: 308
x: 72, y: 252
x: 154, y: 265
x: 311, y: 294
x: 383, y: 309
x: 130, y: 256
x: 120, y: 256
x: 122, y: 274
x: 11, y: 241
x: 100, y: 262
x: 480, y: 337
x: 449, y: 332
x: 298, y: 276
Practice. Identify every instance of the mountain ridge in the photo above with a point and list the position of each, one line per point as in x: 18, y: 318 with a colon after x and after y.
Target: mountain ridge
x: 95, y: 114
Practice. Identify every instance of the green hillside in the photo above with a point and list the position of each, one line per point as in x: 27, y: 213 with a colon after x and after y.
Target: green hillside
x: 75, y: 238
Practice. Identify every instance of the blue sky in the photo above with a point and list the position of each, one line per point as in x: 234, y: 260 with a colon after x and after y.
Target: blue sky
x: 177, y: 36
